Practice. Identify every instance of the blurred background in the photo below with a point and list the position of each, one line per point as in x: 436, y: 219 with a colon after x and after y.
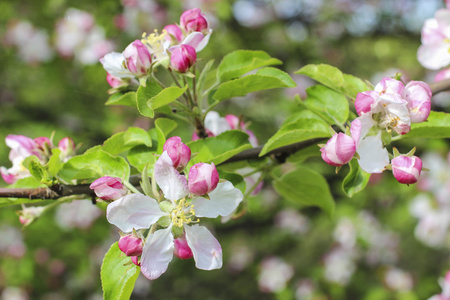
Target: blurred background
x: 388, y: 242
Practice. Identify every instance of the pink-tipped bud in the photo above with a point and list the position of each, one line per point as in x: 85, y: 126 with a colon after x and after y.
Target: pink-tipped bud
x: 174, y: 32
x: 43, y: 143
x: 182, y: 58
x: 178, y: 152
x: 339, y: 150
x: 193, y: 20
x: 138, y: 59
x: 114, y: 81
x: 30, y: 214
x: 418, y: 94
x: 67, y: 147
x: 364, y: 101
x: 203, y: 178
x: 108, y: 188
x: 406, y: 169
x: 135, y: 260
x: 130, y: 245
x: 390, y: 86
x: 181, y: 249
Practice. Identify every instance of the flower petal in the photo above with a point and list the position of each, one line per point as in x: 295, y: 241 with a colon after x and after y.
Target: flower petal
x: 224, y: 199
x: 157, y: 253
x: 205, y: 247
x: 173, y: 184
x: 215, y: 123
x: 134, y: 211
x: 113, y: 63
x: 434, y: 56
x: 373, y: 156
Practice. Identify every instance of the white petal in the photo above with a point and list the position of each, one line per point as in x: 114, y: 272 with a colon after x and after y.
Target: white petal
x: 134, y: 211
x: 157, y: 253
x: 197, y: 40
x: 173, y: 184
x: 113, y: 64
x: 223, y: 201
x: 373, y: 156
x: 434, y: 56
x: 215, y: 123
x: 361, y: 126
x: 206, y: 249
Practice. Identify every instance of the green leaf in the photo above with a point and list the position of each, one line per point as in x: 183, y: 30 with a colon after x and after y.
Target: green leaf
x: 140, y: 156
x: 356, y: 179
x: 236, y: 179
x: 237, y: 63
x: 299, y: 127
x: 328, y: 104
x: 203, y: 76
x: 267, y: 78
x: 436, y: 126
x: 304, y: 186
x: 127, y: 99
x: 54, y: 163
x: 333, y: 78
x: 219, y: 148
x: 126, y: 140
x: 162, y: 129
x: 94, y: 165
x: 37, y: 170
x: 152, y: 97
x: 118, y: 274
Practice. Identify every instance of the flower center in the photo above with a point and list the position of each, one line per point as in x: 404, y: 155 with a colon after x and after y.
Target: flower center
x: 155, y: 42
x: 183, y: 213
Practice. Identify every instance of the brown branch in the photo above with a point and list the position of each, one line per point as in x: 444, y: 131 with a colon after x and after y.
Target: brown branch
x: 60, y: 190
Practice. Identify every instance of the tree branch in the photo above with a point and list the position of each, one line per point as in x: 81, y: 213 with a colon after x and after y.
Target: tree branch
x: 61, y: 190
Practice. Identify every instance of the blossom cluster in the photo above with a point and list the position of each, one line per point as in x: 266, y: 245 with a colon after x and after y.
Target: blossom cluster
x: 175, y: 47
x: 391, y: 106
x: 172, y: 214
x: 41, y: 147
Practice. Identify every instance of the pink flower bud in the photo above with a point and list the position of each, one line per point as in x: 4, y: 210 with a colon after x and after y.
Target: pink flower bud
x: 406, y: 169
x: 135, y: 260
x: 418, y: 94
x: 137, y: 58
x: 130, y: 245
x: 108, y: 188
x: 364, y: 101
x: 182, y: 249
x: 203, y: 178
x: 174, y: 32
x: 182, y: 58
x: 339, y: 150
x: 441, y: 75
x: 114, y: 81
x: 43, y: 143
x: 233, y: 121
x: 29, y: 214
x: 67, y: 147
x: 21, y: 145
x: 390, y: 86
x: 178, y: 152
x: 193, y: 20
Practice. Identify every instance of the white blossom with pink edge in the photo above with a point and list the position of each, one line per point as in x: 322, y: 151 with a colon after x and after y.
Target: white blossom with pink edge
x: 137, y: 211
x: 434, y: 52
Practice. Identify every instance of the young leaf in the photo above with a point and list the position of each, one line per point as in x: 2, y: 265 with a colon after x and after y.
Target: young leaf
x: 328, y: 104
x: 118, y: 274
x: 127, y: 99
x: 356, y: 179
x: 299, y: 127
x: 162, y: 129
x: 333, y: 78
x: 304, y: 186
x: 144, y: 94
x: 54, y: 163
x: 203, y: 75
x: 219, y: 148
x: 126, y: 140
x: 140, y: 156
x: 237, y: 63
x: 166, y: 96
x: 266, y: 78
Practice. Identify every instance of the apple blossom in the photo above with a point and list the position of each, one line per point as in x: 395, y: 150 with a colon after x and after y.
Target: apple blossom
x: 138, y: 59
x: 339, y: 150
x: 406, y: 169
x: 194, y: 20
x: 108, y: 188
x: 418, y: 94
x: 179, y: 153
x: 203, y: 178
x: 182, y: 58
x: 67, y: 147
x: 130, y: 245
x: 364, y: 101
x: 389, y: 86
x: 174, y: 32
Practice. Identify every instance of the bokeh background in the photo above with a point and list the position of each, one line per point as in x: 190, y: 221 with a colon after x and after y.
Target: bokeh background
x: 373, y: 248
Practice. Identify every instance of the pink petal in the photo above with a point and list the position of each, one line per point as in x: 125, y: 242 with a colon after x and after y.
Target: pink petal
x: 157, y: 253
x: 173, y: 184
x: 206, y: 249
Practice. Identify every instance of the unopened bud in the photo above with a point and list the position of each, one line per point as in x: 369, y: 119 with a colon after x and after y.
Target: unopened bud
x: 418, y: 94
x: 108, y: 188
x: 406, y: 169
x: 130, y: 245
x: 203, y: 178
x: 193, y: 20
x: 339, y: 150
x: 178, y: 152
x: 182, y: 249
x: 182, y: 58
x: 67, y: 147
x: 174, y: 32
x: 137, y: 58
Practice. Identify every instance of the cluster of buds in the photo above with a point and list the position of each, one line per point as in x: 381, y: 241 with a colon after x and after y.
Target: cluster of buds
x: 391, y: 106
x: 41, y: 147
x: 173, y: 216
x: 176, y: 46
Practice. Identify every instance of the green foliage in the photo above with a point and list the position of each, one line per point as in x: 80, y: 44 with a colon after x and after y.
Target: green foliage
x: 219, y: 148
x: 266, y: 78
x: 356, y: 179
x: 126, y: 140
x: 239, y: 62
x: 93, y: 165
x: 301, y: 126
x: 303, y: 186
x: 436, y: 126
x: 236, y: 179
x: 119, y: 98
x: 163, y: 127
x: 152, y: 97
x: 333, y: 78
x: 118, y: 274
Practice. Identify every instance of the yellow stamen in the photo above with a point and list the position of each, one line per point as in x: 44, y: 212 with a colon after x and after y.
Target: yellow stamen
x: 183, y: 213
